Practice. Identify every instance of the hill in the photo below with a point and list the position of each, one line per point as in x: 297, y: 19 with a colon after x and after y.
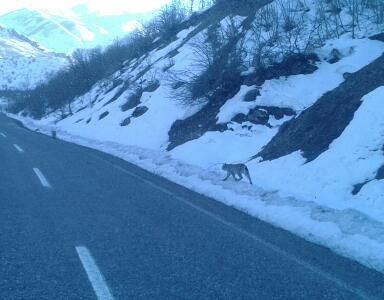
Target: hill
x: 23, y: 63
x: 63, y: 31
x: 292, y: 88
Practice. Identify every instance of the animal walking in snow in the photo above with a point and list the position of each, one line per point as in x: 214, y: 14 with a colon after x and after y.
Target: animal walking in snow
x: 236, y: 169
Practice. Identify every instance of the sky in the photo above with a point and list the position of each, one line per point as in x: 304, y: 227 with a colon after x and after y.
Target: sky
x: 103, y: 6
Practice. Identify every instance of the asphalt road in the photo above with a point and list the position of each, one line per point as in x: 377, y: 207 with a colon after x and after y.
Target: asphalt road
x: 79, y: 224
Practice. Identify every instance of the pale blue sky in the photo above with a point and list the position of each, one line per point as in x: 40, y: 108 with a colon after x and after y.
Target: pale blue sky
x: 104, y: 6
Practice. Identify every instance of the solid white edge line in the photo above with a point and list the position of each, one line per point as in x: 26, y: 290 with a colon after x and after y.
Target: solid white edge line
x: 18, y: 148
x: 43, y: 180
x: 94, y: 274
x: 307, y: 265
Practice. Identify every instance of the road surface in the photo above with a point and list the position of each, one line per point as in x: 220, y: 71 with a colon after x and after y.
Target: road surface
x: 79, y: 224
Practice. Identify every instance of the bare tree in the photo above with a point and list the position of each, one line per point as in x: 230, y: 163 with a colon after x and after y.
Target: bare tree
x: 265, y: 33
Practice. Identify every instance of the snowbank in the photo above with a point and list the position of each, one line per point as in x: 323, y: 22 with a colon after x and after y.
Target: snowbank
x: 345, y: 230
x: 301, y: 91
x: 353, y: 158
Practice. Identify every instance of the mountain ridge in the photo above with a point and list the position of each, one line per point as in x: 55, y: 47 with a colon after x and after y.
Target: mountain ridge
x: 24, y: 63
x: 66, y: 30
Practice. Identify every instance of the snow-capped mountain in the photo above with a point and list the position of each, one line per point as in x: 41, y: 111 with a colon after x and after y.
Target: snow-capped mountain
x: 65, y: 30
x: 23, y: 63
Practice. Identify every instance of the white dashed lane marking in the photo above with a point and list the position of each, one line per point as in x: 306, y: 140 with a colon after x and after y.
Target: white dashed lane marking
x: 18, y: 148
x: 3, y: 134
x: 94, y: 274
x: 44, y: 182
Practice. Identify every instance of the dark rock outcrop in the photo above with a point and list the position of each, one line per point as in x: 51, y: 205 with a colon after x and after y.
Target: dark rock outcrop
x: 139, y: 111
x: 334, y: 56
x: 125, y: 122
x: 261, y: 114
x: 378, y: 37
x: 379, y: 176
x: 195, y: 126
x: 205, y: 120
x: 315, y: 129
x: 133, y: 100
x: 103, y: 115
x: 123, y: 88
x: 292, y: 65
x: 380, y: 173
x: 251, y: 95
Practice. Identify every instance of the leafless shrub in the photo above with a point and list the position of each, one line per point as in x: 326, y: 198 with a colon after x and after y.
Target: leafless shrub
x: 219, y: 58
x: 167, y: 21
x: 265, y: 33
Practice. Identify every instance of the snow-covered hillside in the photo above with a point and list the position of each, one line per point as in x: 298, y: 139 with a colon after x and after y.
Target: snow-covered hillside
x: 141, y: 114
x: 63, y: 31
x: 23, y: 63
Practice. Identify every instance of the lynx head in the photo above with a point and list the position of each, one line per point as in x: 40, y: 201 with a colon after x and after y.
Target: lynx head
x: 225, y: 167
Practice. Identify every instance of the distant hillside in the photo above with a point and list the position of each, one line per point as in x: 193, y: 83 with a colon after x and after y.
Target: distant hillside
x: 65, y: 30
x: 23, y: 63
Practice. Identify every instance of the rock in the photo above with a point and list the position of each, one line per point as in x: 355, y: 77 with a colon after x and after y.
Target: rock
x: 346, y: 75
x: 260, y: 115
x: 251, y: 95
x: 292, y: 65
x: 318, y: 126
x: 133, y: 100
x: 103, y: 115
x: 334, y: 56
x: 183, y: 131
x: 378, y: 37
x: 126, y: 122
x: 152, y: 86
x: 380, y: 173
x: 139, y: 111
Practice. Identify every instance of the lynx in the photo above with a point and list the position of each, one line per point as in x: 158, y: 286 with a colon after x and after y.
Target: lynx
x: 236, y: 169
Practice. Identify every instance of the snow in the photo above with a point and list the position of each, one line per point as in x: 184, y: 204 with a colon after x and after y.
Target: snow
x: 148, y: 131
x: 301, y: 91
x: 236, y: 105
x: 314, y: 200
x: 353, y: 158
x: 65, y: 30
x: 33, y: 64
x: 237, y: 146
x: 346, y: 231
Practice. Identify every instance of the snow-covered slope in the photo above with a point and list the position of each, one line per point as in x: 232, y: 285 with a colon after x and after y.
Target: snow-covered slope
x: 65, y: 30
x: 140, y: 111
x: 23, y: 63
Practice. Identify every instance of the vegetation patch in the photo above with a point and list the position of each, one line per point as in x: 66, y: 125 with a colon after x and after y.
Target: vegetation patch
x: 314, y: 130
x: 195, y: 126
x: 118, y: 94
x: 103, y: 115
x: 378, y: 37
x: 251, y: 95
x: 261, y: 114
x: 152, y: 86
x: 139, y: 111
x: 125, y: 122
x: 81, y: 109
x: 133, y: 100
